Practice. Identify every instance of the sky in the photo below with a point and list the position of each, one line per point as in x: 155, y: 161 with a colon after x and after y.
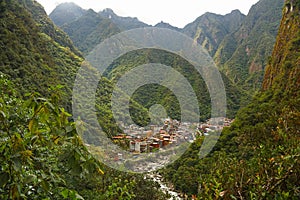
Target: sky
x: 176, y: 12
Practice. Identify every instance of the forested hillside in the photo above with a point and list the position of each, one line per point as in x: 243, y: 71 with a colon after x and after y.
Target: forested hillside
x: 255, y: 39
x: 34, y: 53
x: 210, y: 29
x: 239, y: 44
x: 258, y: 157
x: 87, y: 28
x: 41, y: 155
x: 91, y: 28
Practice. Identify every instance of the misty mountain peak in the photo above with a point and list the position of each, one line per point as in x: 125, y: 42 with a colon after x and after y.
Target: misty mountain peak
x: 66, y: 13
x: 108, y: 11
x: 163, y: 24
x: 236, y: 12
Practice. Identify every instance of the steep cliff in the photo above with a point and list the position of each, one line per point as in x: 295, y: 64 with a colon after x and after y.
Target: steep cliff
x: 283, y: 69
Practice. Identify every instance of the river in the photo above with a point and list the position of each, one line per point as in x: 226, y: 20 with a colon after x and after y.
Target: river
x: 164, y: 187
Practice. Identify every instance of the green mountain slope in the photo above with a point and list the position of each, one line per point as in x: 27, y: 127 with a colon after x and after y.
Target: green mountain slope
x: 210, y: 29
x: 37, y: 56
x: 34, y: 52
x: 83, y: 33
x: 89, y: 30
x: 258, y: 157
x: 239, y: 44
x: 41, y: 155
x: 152, y: 94
x: 285, y: 61
x: 243, y: 54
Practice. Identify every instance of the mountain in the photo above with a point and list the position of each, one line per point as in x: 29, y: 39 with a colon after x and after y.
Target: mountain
x: 124, y: 23
x: 239, y: 44
x: 89, y: 30
x: 65, y: 13
x: 243, y: 54
x: 85, y: 37
x: 258, y: 156
x: 210, y: 29
x: 42, y: 157
x: 38, y: 57
x: 151, y: 94
x: 167, y: 25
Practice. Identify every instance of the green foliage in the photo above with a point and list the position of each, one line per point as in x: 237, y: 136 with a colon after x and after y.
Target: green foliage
x: 151, y: 94
x: 284, y: 64
x: 41, y: 155
x: 43, y: 158
x: 35, y: 134
x: 258, y: 157
x: 120, y: 190
x: 33, y: 52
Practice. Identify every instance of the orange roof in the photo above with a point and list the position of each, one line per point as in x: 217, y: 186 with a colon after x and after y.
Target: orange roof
x: 118, y: 137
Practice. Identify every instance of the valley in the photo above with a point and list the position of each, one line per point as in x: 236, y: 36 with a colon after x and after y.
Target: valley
x: 47, y: 152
